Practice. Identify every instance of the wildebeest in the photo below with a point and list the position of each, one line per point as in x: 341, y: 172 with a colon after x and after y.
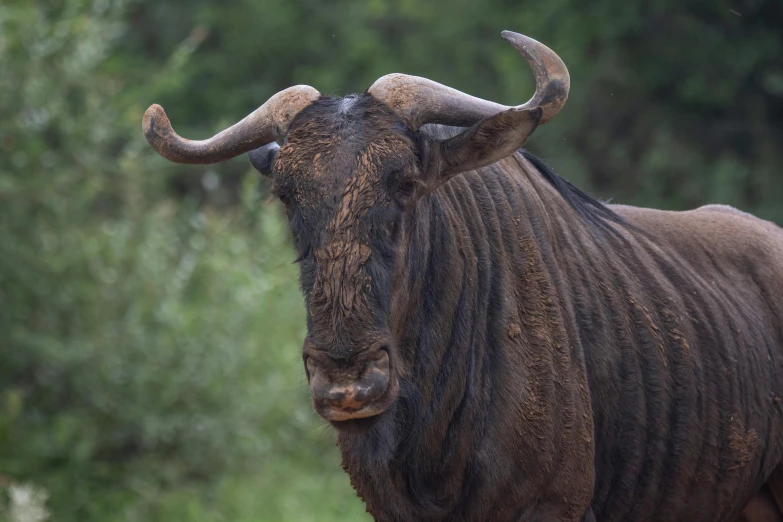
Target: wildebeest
x: 491, y: 343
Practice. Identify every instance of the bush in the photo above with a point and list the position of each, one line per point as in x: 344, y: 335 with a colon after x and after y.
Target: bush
x: 150, y: 361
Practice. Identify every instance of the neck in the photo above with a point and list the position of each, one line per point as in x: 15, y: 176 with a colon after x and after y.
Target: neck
x: 493, y: 387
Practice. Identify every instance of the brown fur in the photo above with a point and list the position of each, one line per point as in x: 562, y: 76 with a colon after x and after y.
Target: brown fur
x: 552, y: 359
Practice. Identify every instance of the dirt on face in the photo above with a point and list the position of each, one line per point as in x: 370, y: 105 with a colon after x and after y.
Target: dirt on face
x: 337, y: 173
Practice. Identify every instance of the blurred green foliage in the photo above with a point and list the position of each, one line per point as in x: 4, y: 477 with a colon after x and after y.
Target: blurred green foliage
x: 150, y: 365
x: 150, y: 321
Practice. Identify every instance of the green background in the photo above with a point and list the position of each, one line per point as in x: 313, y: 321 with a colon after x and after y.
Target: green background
x: 150, y: 320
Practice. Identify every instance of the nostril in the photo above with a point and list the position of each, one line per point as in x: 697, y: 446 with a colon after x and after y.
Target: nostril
x: 376, y: 380
x: 383, y: 347
x: 381, y: 361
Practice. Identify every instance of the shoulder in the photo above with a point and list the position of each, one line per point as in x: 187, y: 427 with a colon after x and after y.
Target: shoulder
x: 721, y: 229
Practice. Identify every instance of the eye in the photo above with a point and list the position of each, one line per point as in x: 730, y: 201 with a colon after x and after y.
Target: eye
x: 406, y: 188
x: 402, y: 184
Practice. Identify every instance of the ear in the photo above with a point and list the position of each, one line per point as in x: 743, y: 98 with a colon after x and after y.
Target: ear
x: 486, y: 142
x: 262, y: 158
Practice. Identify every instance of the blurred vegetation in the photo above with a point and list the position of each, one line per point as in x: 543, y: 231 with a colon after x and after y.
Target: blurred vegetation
x: 150, y: 321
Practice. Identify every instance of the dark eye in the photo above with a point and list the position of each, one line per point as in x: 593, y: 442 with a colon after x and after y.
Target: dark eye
x: 406, y: 187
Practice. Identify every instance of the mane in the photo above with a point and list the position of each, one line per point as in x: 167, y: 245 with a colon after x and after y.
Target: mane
x: 588, y: 207
x: 591, y: 210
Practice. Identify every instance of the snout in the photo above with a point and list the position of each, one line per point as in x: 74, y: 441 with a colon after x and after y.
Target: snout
x: 344, y: 390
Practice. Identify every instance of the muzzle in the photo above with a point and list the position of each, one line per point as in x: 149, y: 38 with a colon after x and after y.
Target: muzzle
x: 353, y: 387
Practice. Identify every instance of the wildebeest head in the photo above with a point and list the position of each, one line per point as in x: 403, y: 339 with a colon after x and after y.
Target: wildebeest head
x: 350, y: 172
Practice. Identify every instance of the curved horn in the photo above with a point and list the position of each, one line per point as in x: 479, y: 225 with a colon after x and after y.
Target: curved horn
x: 266, y: 124
x: 419, y: 100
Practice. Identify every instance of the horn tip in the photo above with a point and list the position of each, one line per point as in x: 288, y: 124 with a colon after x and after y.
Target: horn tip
x: 516, y: 39
x: 155, y: 121
x: 509, y: 35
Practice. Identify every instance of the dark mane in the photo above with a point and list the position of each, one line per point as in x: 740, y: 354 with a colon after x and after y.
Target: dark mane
x: 590, y: 209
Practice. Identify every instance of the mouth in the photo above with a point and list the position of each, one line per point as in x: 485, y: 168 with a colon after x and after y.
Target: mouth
x: 359, y: 425
x: 364, y: 415
x: 342, y: 415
